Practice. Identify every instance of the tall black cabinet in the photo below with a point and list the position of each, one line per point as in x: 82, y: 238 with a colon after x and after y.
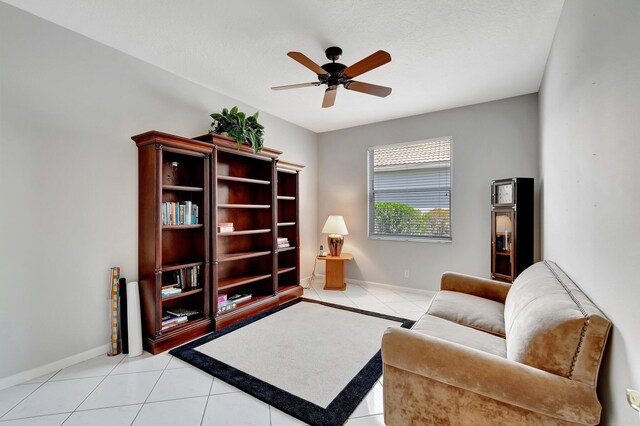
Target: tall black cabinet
x: 512, y: 236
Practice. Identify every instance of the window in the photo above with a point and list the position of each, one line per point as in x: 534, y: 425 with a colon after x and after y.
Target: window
x: 410, y: 190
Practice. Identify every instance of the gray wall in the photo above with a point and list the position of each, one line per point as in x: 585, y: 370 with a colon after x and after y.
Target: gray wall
x: 490, y: 141
x: 68, y: 179
x: 590, y: 150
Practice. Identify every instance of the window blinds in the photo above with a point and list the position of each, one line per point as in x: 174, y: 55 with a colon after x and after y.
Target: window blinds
x: 410, y: 190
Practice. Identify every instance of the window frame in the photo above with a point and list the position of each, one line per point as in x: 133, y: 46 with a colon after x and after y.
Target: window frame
x: 371, y: 192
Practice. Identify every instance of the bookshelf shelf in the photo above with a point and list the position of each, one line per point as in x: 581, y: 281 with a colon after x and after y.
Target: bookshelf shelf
x: 228, y: 283
x: 244, y: 206
x: 175, y: 266
x: 244, y: 306
x: 227, y: 257
x: 181, y: 227
x: 183, y: 294
x: 286, y: 198
x: 245, y: 232
x: 182, y: 188
x: 244, y: 180
x: 286, y: 249
x: 287, y: 224
x: 288, y: 269
x: 193, y: 323
x: 287, y: 288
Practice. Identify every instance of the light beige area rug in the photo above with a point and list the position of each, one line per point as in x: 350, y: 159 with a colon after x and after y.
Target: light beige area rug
x: 313, y: 360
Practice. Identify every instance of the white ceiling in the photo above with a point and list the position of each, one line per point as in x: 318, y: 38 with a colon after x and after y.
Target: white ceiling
x: 446, y: 53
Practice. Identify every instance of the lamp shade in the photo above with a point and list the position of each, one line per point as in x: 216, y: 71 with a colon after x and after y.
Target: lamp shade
x: 335, y: 225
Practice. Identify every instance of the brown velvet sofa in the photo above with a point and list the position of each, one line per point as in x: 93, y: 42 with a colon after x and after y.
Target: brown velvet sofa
x: 490, y: 353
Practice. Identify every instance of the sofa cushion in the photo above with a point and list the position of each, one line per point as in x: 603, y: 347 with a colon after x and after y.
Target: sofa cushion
x: 472, y: 311
x: 456, y: 333
x: 551, y: 325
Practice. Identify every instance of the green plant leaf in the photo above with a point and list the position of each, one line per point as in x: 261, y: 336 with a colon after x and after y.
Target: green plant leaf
x: 239, y: 126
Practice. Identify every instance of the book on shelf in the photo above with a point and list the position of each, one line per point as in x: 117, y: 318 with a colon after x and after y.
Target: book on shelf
x: 183, y: 312
x: 225, y: 227
x: 181, y: 213
x: 239, y: 297
x: 226, y: 306
x: 283, y: 242
x: 170, y: 291
x: 173, y: 321
x: 166, y: 287
x: 222, y: 298
x: 185, y: 278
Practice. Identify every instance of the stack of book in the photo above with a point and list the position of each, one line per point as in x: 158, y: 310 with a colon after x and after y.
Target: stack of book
x: 183, y: 213
x: 170, y: 290
x: 224, y: 304
x: 239, y: 297
x: 225, y: 227
x: 169, y: 321
x: 283, y: 242
x: 183, y: 312
x: 185, y: 278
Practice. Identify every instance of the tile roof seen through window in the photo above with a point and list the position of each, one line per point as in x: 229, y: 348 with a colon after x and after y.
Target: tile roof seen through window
x: 420, y: 153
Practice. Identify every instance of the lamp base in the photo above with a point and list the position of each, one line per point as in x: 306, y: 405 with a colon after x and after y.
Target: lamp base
x: 335, y: 242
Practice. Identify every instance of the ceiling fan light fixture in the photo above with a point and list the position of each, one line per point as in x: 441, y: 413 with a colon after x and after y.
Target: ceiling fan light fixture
x: 334, y: 74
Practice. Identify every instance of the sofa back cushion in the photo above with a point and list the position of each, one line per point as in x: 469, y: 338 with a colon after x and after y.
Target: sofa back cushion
x: 550, y: 324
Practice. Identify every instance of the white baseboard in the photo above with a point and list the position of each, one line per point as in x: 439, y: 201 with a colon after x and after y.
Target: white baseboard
x: 304, y: 281
x: 381, y: 285
x: 34, y: 373
x: 390, y: 286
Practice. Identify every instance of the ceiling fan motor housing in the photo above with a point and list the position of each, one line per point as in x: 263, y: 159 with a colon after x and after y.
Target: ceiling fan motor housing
x: 335, y: 75
x: 334, y: 69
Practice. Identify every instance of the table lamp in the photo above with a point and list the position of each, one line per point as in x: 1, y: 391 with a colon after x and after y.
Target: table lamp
x: 336, y: 228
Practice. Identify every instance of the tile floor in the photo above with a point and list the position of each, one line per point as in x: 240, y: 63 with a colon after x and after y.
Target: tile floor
x: 162, y: 390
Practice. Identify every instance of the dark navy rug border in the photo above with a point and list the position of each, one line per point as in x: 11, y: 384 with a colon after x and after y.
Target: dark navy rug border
x: 336, y: 413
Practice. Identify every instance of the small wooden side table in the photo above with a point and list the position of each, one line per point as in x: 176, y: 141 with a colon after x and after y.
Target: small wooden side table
x: 335, y: 271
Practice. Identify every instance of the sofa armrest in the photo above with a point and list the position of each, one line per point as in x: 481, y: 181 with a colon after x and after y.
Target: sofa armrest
x: 481, y: 287
x: 490, y: 375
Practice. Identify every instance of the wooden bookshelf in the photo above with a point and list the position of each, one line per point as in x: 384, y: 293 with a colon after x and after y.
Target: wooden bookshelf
x: 288, y: 270
x: 247, y: 185
x: 172, y: 169
x: 258, y: 193
x: 245, y: 257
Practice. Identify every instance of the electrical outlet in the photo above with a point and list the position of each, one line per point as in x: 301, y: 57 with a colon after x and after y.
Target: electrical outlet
x: 633, y: 398
x: 406, y: 273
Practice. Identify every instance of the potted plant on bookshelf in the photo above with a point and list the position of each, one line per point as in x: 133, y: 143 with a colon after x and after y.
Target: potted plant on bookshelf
x: 240, y: 127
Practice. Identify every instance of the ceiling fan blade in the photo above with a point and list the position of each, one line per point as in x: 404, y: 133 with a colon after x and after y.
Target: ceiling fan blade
x: 297, y: 56
x: 295, y: 86
x: 368, y: 88
x: 329, y: 97
x: 367, y: 64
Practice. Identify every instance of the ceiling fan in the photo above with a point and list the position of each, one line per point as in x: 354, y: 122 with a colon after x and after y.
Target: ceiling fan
x: 334, y: 74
